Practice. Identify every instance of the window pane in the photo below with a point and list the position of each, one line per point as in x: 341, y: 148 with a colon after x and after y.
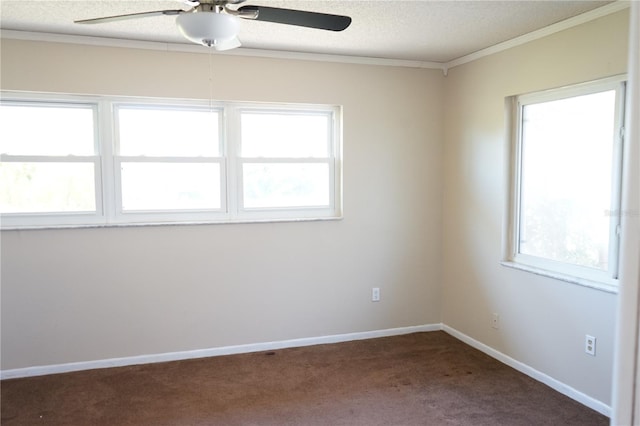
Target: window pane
x: 168, y: 132
x: 47, y: 187
x: 285, y: 185
x: 567, y: 148
x: 285, y: 135
x: 170, y: 186
x: 46, y: 129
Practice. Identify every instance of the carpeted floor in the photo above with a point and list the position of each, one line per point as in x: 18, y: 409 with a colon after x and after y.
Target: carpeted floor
x: 416, y: 379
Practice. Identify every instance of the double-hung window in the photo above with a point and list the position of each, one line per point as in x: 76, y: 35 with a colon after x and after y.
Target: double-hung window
x: 50, y: 163
x: 168, y: 162
x: 287, y: 162
x: 564, y: 217
x: 75, y: 161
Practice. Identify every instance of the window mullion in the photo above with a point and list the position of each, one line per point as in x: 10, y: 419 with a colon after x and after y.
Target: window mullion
x: 232, y: 151
x: 105, y: 136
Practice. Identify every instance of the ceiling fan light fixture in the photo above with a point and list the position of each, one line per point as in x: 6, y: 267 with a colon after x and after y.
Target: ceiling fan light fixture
x: 211, y: 29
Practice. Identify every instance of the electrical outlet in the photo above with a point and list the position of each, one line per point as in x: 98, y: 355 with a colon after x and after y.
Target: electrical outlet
x: 495, y: 321
x: 375, y: 294
x: 590, y: 345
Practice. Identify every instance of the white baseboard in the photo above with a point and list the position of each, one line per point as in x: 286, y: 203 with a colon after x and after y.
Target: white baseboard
x: 203, y: 353
x: 309, y: 341
x: 563, y: 388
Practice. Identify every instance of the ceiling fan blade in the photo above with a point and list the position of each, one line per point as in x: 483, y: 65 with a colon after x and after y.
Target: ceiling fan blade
x: 300, y: 18
x: 129, y: 16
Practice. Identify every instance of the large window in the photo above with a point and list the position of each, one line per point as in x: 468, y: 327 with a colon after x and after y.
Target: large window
x: 79, y: 161
x: 566, y: 197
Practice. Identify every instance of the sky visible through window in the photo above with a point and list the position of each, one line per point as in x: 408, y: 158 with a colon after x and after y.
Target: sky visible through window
x: 52, y: 130
x: 566, y: 172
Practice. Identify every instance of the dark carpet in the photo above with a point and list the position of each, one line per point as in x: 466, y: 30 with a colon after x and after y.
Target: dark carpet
x: 416, y: 379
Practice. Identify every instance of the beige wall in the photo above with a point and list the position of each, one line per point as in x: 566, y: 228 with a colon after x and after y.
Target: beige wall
x: 542, y: 321
x: 89, y: 294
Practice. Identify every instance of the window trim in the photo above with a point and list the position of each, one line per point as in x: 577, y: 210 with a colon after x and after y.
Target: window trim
x: 108, y: 180
x: 43, y: 219
x: 589, y: 277
x: 171, y: 215
x: 333, y: 160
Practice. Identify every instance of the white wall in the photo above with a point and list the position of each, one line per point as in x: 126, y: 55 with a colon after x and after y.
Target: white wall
x: 542, y: 321
x: 90, y: 294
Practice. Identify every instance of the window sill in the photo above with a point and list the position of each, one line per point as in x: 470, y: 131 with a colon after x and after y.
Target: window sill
x: 176, y: 223
x: 597, y: 285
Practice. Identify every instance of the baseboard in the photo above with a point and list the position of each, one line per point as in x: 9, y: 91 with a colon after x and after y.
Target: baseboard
x: 563, y: 388
x: 309, y: 341
x: 203, y: 353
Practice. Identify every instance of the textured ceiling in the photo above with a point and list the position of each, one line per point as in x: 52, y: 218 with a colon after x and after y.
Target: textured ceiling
x: 436, y: 31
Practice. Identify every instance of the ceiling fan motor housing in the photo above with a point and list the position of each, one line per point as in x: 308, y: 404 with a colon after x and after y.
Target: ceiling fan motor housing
x: 208, y: 28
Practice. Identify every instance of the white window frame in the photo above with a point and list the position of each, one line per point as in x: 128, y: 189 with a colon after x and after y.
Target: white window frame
x: 17, y: 220
x: 108, y: 177
x: 176, y: 215
x: 590, y: 277
x: 332, y: 160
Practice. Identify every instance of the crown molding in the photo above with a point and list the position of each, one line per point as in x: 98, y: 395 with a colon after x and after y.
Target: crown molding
x: 321, y: 57
x: 194, y: 48
x: 541, y: 33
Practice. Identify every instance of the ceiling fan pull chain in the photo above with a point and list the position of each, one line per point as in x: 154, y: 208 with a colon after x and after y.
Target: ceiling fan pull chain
x: 210, y: 80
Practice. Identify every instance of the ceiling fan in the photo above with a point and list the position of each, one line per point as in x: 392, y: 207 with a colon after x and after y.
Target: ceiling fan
x: 212, y: 23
